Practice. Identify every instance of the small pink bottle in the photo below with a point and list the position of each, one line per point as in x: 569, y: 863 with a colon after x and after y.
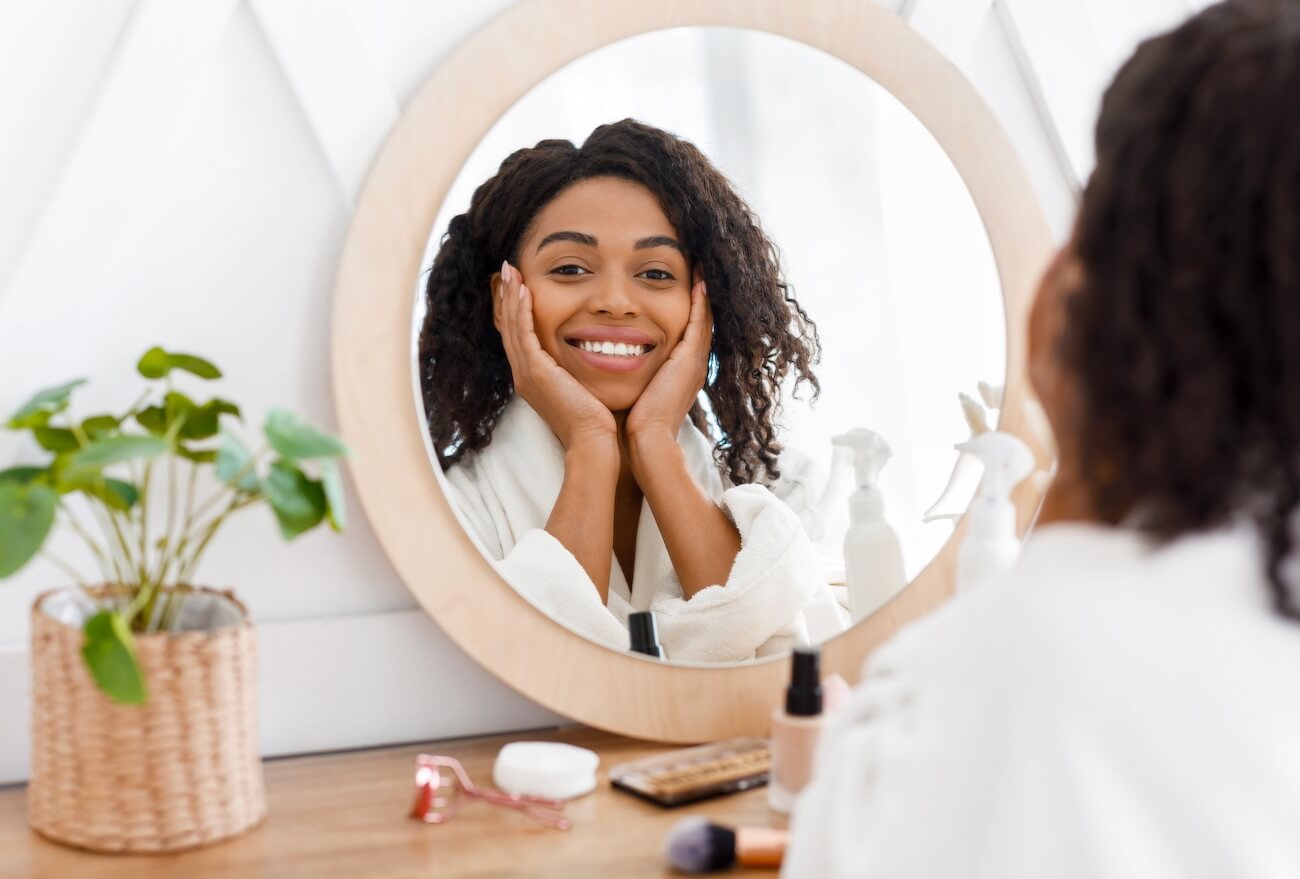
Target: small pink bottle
x: 795, y: 729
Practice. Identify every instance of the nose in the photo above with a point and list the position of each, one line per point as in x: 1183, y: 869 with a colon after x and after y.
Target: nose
x: 612, y: 298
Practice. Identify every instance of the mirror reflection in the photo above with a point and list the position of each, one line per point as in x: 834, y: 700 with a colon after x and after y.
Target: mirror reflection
x: 661, y: 359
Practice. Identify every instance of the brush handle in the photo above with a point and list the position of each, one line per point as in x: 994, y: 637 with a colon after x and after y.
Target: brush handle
x: 760, y: 846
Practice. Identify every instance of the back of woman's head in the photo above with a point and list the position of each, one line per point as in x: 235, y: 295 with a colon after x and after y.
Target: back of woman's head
x: 761, y: 335
x: 1184, y: 337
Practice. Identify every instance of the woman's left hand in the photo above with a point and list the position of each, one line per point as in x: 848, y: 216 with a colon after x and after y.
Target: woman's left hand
x: 666, y: 401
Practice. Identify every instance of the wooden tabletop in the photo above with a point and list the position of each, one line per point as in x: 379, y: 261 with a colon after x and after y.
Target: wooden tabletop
x: 344, y: 815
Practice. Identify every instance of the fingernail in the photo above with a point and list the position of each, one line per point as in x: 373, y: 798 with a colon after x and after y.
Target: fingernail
x: 522, y: 288
x: 505, y: 270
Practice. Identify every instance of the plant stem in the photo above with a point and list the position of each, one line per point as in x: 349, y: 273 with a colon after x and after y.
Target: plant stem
x: 115, y: 526
x: 66, y: 568
x: 209, y: 532
x: 104, y: 567
x: 232, y: 483
x: 143, y: 598
x: 135, y: 407
x: 172, y: 608
x: 176, y: 547
x: 163, y: 555
x: 143, y: 505
x: 120, y: 569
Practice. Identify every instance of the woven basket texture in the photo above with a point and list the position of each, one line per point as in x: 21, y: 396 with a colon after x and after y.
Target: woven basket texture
x: 179, y: 772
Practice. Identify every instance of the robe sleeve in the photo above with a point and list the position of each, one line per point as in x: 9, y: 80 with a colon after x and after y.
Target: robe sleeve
x: 958, y: 754
x: 540, y: 568
x: 759, y: 610
x: 549, y: 576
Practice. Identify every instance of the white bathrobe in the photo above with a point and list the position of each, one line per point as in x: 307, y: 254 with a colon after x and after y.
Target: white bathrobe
x: 1106, y: 710
x: 506, y: 492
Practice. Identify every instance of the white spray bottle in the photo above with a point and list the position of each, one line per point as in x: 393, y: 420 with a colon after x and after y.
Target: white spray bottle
x: 873, y: 559
x: 991, y: 544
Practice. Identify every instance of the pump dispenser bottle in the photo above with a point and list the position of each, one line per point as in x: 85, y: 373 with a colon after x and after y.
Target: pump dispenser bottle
x: 991, y: 544
x: 795, y: 728
x: 644, y: 634
x: 873, y: 558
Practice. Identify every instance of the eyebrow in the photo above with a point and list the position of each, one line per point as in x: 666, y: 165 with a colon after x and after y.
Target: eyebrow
x: 659, y: 241
x: 590, y: 241
x: 576, y: 237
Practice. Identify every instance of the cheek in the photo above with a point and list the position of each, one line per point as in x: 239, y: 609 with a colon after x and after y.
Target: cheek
x: 672, y: 313
x: 547, y: 318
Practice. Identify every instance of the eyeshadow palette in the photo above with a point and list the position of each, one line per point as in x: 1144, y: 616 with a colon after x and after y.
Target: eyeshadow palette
x: 698, y: 773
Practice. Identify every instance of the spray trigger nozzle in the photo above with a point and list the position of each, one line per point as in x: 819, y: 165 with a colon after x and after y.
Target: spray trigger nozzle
x: 870, y: 454
x: 1007, y: 461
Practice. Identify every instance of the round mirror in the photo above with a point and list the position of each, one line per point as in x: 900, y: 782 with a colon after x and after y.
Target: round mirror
x: 884, y: 251
x: 898, y: 284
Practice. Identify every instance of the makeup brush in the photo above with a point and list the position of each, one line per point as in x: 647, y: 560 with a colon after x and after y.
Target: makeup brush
x: 697, y: 845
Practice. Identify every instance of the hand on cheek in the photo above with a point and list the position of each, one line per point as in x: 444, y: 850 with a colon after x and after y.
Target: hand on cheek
x: 573, y: 414
x: 666, y: 401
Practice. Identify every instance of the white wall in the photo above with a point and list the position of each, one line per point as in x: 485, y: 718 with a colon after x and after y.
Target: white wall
x: 181, y: 174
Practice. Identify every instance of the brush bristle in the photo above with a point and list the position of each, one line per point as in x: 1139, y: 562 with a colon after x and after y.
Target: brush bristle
x: 696, y: 845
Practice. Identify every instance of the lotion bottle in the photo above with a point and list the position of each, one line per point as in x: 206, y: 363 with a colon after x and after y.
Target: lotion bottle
x: 795, y: 729
x: 991, y: 544
x: 873, y: 558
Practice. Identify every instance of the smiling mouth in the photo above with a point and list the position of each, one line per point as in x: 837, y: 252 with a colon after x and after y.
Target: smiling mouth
x: 611, y: 349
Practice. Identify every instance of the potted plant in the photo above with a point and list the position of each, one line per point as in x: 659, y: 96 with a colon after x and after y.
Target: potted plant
x: 144, y: 697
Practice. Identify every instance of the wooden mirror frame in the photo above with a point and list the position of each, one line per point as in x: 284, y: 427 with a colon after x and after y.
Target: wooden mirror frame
x: 378, y: 405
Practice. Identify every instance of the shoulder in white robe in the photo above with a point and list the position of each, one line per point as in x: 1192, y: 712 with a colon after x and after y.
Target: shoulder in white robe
x: 1107, y: 709
x: 506, y: 491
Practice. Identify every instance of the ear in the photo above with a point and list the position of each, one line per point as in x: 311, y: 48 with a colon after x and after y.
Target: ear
x: 494, y: 287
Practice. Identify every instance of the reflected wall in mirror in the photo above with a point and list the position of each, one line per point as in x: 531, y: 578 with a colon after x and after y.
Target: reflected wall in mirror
x: 883, y: 251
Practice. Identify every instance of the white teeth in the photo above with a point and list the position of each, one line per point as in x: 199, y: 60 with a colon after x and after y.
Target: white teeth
x: 613, y: 349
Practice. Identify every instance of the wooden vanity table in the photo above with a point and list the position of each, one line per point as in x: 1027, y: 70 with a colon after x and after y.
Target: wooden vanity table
x: 344, y: 815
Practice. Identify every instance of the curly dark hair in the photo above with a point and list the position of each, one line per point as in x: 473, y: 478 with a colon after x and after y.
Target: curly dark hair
x: 1184, y: 334
x: 761, y: 334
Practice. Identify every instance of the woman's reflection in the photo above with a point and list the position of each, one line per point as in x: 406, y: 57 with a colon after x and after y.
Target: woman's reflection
x: 574, y: 314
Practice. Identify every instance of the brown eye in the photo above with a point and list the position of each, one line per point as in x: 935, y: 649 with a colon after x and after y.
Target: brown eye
x: 657, y: 275
x: 569, y: 269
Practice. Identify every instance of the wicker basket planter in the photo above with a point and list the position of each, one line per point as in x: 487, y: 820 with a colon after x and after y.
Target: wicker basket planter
x: 178, y: 772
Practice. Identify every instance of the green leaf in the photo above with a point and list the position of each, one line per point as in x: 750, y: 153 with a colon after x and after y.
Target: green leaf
x: 22, y: 475
x: 233, y: 460
x: 152, y: 419
x: 223, y: 407
x: 56, y: 439
x: 109, y: 651
x: 201, y: 422
x: 195, y: 366
x: 298, y: 502
x: 332, y: 482
x: 115, y: 449
x: 118, y: 494
x: 157, y: 363
x: 114, y: 492
x: 100, y: 425
x: 177, y: 404
x: 36, y: 412
x: 198, y: 456
x: 295, y: 438
x: 153, y: 364
x: 205, y: 420
x: 26, y: 517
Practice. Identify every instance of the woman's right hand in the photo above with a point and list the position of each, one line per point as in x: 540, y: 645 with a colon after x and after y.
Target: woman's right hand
x: 572, y: 412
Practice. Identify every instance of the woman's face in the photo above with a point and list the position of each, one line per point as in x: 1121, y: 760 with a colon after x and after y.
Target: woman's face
x: 611, y: 286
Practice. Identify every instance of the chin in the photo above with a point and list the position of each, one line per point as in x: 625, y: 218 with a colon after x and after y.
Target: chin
x: 617, y: 399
